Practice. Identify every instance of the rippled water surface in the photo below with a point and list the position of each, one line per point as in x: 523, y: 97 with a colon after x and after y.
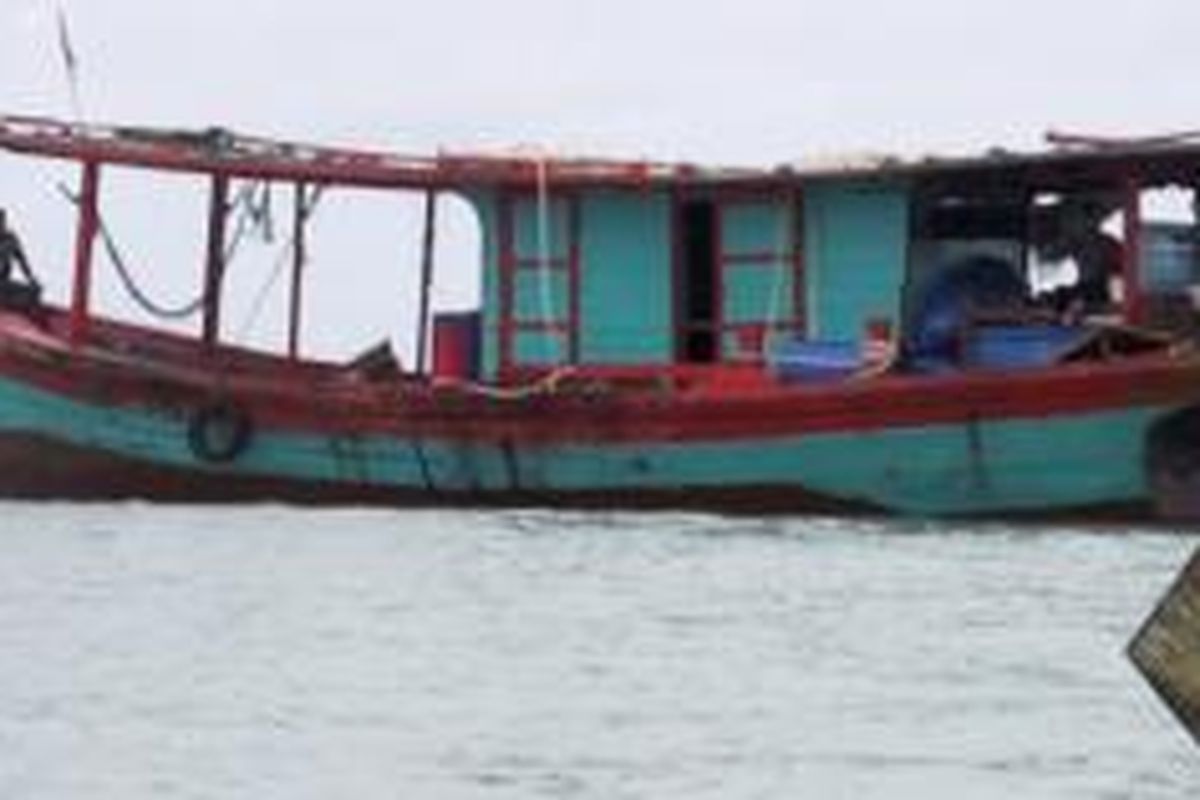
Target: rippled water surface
x: 273, y: 653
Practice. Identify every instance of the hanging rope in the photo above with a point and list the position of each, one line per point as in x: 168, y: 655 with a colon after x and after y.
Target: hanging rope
x: 255, y: 212
x: 136, y: 293
x: 784, y: 245
x: 253, y: 207
x: 547, y: 384
x: 281, y: 260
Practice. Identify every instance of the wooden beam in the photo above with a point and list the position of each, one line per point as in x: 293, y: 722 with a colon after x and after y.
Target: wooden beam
x: 1131, y: 255
x: 506, y: 258
x: 1167, y: 648
x: 299, y: 254
x: 214, y: 270
x: 574, y: 276
x: 427, y: 254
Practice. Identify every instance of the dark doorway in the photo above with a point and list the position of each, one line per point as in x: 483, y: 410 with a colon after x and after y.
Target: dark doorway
x: 698, y: 273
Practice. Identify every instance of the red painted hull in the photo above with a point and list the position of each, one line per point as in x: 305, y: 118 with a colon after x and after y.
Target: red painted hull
x: 128, y: 366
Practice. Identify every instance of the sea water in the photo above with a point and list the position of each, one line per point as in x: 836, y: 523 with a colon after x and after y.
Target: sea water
x: 265, y: 652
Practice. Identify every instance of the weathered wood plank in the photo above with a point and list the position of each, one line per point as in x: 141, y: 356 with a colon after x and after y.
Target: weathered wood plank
x: 1167, y: 648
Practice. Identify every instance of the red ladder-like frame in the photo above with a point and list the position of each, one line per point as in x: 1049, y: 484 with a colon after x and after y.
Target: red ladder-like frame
x: 512, y: 263
x: 754, y: 332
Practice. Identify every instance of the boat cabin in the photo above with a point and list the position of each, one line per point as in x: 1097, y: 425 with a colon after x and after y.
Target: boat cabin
x: 998, y: 262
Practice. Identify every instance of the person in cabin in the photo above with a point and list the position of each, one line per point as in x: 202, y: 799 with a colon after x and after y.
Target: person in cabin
x: 12, y: 254
x: 1074, y: 230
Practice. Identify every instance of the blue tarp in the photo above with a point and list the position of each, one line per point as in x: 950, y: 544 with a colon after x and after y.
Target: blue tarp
x: 1015, y: 346
x: 943, y: 335
x: 982, y: 283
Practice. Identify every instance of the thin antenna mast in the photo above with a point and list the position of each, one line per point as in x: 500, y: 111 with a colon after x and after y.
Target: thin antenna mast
x: 70, y: 60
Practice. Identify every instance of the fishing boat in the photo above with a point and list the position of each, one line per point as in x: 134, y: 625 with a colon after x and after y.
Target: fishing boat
x: 865, y: 336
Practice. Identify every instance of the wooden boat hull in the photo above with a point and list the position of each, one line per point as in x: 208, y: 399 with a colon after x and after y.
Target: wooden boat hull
x: 45, y: 467
x: 103, y: 423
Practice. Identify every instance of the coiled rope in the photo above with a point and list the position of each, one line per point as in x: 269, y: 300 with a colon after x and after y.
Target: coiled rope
x: 546, y: 385
x: 784, y: 249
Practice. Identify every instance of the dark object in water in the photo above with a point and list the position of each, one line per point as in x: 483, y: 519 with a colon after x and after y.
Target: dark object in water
x: 1167, y: 648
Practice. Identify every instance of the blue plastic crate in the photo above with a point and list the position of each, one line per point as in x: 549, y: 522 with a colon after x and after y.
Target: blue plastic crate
x: 1016, y: 346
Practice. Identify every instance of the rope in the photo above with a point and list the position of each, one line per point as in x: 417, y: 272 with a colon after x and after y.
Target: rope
x: 139, y: 296
x: 252, y: 215
x: 783, y: 245
x: 260, y: 297
x: 545, y: 385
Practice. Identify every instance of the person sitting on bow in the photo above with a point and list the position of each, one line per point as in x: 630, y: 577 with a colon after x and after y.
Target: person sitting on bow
x: 13, y: 254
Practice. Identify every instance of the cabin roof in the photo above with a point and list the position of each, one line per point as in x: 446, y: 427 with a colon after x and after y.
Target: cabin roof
x: 1068, y: 161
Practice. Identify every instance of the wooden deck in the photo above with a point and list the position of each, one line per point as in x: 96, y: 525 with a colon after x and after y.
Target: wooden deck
x: 1167, y: 648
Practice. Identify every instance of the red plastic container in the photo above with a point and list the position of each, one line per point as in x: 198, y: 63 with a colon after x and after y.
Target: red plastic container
x: 456, y: 345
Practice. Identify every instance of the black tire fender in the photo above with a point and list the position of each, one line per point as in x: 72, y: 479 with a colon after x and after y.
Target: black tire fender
x: 219, y: 432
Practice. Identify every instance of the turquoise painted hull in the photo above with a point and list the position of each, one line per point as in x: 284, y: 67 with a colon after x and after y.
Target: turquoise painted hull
x: 993, y: 467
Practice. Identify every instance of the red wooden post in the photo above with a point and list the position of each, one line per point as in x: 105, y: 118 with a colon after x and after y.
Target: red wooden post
x: 719, y: 320
x: 1131, y: 256
x: 507, y: 266
x: 574, y: 277
x: 85, y: 239
x: 799, y: 316
x: 299, y: 219
x: 679, y: 331
x: 214, y: 271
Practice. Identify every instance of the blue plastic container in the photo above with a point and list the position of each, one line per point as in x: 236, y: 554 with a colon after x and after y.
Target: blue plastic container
x: 1017, y: 346
x: 807, y: 360
x: 978, y: 283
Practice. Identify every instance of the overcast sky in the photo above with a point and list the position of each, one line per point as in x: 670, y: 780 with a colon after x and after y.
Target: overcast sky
x: 751, y: 81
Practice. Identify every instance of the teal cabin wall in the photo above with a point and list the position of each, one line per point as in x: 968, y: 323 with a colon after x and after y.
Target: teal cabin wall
x: 625, y: 302
x: 856, y: 244
x: 485, y: 207
x: 758, y: 237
